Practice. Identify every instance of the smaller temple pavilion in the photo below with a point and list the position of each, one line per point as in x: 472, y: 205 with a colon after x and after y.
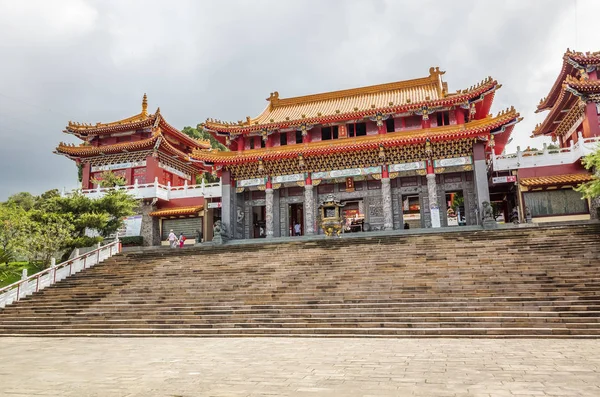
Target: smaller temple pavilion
x: 546, y: 177
x: 153, y: 158
x: 396, y: 155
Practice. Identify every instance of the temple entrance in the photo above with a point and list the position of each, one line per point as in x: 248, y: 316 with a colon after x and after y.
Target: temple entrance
x: 411, y: 212
x: 455, y: 208
x: 259, y: 224
x: 296, y: 217
x: 353, y: 216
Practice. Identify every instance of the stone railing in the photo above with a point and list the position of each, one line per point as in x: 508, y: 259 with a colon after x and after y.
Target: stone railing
x: 163, y: 192
x: 29, y: 285
x: 546, y: 157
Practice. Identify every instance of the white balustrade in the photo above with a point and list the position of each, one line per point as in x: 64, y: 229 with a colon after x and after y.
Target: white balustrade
x: 546, y: 157
x: 163, y: 192
x: 55, y: 273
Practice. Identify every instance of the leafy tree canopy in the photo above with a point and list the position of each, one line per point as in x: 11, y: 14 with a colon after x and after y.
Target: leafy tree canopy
x: 39, y: 227
x: 591, y: 189
x: 199, y: 133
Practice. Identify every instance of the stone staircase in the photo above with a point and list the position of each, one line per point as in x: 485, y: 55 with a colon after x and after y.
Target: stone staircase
x: 522, y: 282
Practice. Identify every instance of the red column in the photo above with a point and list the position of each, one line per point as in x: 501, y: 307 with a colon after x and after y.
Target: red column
x: 269, y: 184
x: 240, y: 144
x: 381, y: 129
x: 257, y: 142
x: 306, y: 138
x: 308, y: 181
x: 430, y: 169
x: 591, y: 128
x: 129, y: 176
x: 152, y: 169
x: 384, y: 171
x: 269, y: 142
x: 460, y: 116
x: 425, y: 123
x: 85, y: 177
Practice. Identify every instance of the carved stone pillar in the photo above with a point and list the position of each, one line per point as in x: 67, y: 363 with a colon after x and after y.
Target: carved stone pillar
x: 269, y: 212
x: 309, y: 210
x: 388, y: 215
x: 433, y: 200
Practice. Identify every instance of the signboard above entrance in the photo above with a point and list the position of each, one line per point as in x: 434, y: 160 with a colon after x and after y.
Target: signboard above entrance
x: 504, y: 179
x: 346, y: 173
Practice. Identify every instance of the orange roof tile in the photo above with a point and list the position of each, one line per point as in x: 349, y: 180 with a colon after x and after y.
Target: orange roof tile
x: 474, y: 128
x: 180, y: 211
x: 560, y: 180
x: 353, y: 103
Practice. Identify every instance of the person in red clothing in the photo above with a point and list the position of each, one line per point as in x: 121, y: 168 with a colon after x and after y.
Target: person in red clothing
x: 181, y: 240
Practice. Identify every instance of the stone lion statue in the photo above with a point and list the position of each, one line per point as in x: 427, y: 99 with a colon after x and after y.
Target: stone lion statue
x: 488, y: 211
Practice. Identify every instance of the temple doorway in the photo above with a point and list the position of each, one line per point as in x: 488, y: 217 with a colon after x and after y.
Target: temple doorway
x: 353, y: 216
x: 455, y: 208
x: 411, y: 212
x: 296, y: 217
x: 259, y: 224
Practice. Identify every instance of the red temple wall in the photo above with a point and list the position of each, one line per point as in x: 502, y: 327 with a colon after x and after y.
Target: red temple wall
x: 552, y: 170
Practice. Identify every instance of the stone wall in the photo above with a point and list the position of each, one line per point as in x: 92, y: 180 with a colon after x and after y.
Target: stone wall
x: 150, y: 225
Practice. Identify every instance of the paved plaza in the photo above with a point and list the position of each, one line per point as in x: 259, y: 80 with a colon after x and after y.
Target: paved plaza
x: 298, y: 367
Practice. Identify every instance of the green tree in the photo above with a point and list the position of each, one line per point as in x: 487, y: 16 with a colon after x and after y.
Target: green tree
x: 591, y: 189
x: 49, y: 234
x: 15, y: 226
x: 101, y: 217
x: 199, y: 133
x: 25, y: 200
x: 109, y: 179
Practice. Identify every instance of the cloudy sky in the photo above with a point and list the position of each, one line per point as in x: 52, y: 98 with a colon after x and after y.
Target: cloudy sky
x: 92, y: 61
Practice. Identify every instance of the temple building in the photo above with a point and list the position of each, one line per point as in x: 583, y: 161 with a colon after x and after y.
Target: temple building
x: 545, y: 178
x: 153, y: 158
x: 404, y: 154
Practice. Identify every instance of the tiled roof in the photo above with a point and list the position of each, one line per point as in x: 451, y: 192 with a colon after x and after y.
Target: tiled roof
x: 180, y: 211
x: 556, y: 180
x: 570, y: 59
x: 133, y: 123
x: 399, y: 138
x: 556, y: 120
x: 87, y: 150
x: 353, y: 103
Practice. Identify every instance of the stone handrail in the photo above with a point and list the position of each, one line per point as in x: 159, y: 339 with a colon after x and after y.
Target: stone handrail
x: 546, y: 157
x: 55, y: 273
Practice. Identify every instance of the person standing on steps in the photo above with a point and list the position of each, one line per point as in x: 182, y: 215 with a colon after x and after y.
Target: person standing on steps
x: 181, y: 240
x: 172, y: 239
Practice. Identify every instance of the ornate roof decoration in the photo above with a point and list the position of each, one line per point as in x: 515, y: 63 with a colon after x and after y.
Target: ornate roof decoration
x: 451, y: 132
x: 139, y: 121
x: 574, y: 64
x: 180, y: 211
x: 574, y: 92
x: 556, y: 180
x: 85, y: 150
x: 356, y: 103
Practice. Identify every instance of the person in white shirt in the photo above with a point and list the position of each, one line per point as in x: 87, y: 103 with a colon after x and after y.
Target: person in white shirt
x: 297, y: 229
x: 173, y: 239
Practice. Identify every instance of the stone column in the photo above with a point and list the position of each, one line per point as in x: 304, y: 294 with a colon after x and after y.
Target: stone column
x: 309, y: 221
x: 269, y: 212
x: 480, y: 177
x: 150, y: 230
x: 434, y: 208
x: 227, y: 204
x: 388, y: 215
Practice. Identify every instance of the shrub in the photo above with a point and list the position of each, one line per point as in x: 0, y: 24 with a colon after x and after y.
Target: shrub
x: 132, y: 241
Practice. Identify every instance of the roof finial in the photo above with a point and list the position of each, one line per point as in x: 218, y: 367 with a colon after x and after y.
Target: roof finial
x: 145, y: 105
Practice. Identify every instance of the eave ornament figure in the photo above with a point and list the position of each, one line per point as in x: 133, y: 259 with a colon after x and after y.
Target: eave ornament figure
x: 331, y: 220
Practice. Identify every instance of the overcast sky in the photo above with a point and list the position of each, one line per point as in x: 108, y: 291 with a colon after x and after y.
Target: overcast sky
x: 92, y: 61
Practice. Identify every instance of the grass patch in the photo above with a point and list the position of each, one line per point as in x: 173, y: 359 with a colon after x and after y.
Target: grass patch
x: 10, y: 273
